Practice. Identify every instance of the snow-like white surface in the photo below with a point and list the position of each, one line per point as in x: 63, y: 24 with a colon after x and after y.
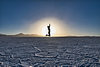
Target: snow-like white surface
x: 49, y: 52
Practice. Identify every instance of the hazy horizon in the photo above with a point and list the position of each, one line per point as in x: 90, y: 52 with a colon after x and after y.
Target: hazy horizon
x: 37, y: 35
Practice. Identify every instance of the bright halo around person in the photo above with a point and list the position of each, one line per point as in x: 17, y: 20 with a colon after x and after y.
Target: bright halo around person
x: 45, y: 30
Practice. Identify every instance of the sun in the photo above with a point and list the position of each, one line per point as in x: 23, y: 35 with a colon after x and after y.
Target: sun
x: 45, y: 30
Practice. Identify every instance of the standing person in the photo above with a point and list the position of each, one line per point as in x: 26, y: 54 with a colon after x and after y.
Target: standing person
x: 48, y: 31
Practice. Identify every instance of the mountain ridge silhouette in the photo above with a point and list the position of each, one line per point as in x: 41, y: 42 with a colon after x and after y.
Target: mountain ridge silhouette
x: 36, y: 35
x: 20, y: 35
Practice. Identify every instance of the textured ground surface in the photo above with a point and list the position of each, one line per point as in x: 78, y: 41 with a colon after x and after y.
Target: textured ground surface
x: 49, y: 52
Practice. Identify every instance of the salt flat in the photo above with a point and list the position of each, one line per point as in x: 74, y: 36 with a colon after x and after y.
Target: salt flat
x: 50, y: 51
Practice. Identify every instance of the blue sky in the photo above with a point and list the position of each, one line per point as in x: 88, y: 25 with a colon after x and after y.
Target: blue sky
x: 83, y: 15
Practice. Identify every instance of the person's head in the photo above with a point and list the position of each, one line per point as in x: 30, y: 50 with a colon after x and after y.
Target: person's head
x: 49, y: 24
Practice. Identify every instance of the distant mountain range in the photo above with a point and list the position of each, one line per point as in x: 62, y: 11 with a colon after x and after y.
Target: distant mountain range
x: 21, y: 35
x: 36, y: 35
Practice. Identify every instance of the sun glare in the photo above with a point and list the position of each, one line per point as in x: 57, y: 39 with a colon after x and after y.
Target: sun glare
x: 56, y: 27
x: 45, y: 30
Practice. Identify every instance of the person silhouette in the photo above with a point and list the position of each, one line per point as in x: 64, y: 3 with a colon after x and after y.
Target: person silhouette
x: 48, y: 31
